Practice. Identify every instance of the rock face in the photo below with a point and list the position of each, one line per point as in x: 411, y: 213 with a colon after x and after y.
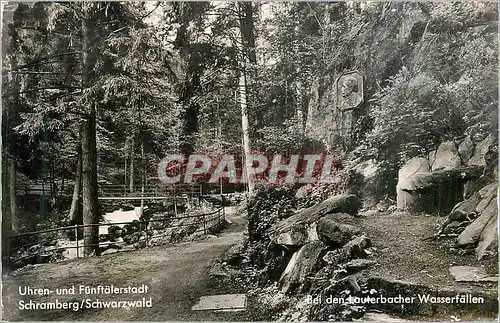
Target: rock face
x: 300, y: 266
x: 472, y: 233
x: 480, y: 151
x: 488, y: 241
x: 326, y: 121
x: 417, y: 165
x: 371, y: 182
x: 447, y: 157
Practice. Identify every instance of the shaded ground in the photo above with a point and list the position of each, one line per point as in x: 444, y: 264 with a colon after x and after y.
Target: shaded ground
x: 176, y: 275
x: 404, y: 253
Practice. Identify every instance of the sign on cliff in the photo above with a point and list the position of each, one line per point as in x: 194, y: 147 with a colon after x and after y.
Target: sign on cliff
x: 349, y: 90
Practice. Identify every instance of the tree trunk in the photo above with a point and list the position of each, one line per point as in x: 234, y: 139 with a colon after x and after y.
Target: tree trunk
x: 89, y: 153
x: 14, y: 220
x: 131, y: 179
x: 143, y: 176
x: 245, y: 128
x: 75, y: 202
x: 89, y: 185
x: 248, y: 56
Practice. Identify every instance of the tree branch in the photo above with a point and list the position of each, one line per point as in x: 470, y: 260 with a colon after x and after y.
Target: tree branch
x: 40, y: 60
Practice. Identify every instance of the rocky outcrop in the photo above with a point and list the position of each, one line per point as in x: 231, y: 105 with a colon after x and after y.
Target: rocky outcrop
x: 472, y: 233
x: 474, y: 221
x: 317, y: 239
x: 451, y: 173
x: 487, y: 193
x: 437, y: 191
x: 488, y: 241
x: 300, y: 266
x: 417, y: 165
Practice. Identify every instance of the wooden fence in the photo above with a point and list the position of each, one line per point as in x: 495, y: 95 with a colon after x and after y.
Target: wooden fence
x: 27, y: 241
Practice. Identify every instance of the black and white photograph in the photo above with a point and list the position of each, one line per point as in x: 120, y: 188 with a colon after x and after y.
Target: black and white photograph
x: 249, y: 161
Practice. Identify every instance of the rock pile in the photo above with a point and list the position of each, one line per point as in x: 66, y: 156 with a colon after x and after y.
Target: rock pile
x: 321, y: 239
x: 328, y: 250
x: 435, y: 184
x: 302, y: 252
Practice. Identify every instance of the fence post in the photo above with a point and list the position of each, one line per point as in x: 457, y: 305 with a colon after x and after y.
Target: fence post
x: 204, y: 225
x: 76, y: 237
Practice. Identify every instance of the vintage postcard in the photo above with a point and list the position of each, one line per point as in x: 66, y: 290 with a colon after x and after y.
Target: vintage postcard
x: 249, y: 161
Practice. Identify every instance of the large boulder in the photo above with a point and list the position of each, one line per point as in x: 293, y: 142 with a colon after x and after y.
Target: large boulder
x: 335, y: 233
x: 349, y: 204
x: 472, y: 233
x: 480, y: 151
x: 447, y: 157
x: 417, y: 165
x: 466, y: 149
x: 300, y: 228
x: 300, y: 266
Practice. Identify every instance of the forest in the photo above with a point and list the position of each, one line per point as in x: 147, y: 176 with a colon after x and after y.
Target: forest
x: 96, y: 94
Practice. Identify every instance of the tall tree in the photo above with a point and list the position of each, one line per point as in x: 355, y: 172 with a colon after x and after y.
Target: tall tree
x: 248, y: 62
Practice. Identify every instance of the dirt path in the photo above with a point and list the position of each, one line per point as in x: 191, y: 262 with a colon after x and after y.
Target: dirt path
x: 403, y: 253
x: 176, y: 277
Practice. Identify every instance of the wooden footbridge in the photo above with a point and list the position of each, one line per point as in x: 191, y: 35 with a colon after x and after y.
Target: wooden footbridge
x: 119, y: 192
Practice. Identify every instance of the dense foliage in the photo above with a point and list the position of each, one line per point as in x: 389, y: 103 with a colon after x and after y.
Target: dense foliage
x: 163, y: 77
